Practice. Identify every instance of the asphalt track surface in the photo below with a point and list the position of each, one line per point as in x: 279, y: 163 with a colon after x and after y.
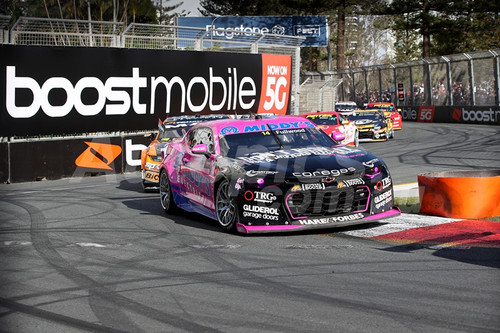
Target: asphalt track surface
x: 99, y: 255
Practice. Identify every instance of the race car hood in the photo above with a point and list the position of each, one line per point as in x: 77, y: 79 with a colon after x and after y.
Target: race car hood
x: 365, y: 122
x: 311, y: 163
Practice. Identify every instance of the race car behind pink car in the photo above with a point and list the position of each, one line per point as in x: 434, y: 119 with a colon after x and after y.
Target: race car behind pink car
x: 331, y: 122
x: 389, y: 112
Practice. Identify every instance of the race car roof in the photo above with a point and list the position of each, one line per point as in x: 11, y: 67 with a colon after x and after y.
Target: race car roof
x: 236, y: 126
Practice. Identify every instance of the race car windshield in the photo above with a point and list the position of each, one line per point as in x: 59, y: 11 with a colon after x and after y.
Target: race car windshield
x: 323, y: 120
x: 238, y: 145
x: 365, y: 115
x: 383, y: 107
x: 170, y: 134
x: 345, y: 107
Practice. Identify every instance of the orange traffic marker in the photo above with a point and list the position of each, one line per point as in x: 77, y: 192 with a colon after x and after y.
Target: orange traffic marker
x: 460, y: 194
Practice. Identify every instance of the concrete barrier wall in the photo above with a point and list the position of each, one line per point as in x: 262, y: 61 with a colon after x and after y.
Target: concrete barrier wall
x: 76, y: 157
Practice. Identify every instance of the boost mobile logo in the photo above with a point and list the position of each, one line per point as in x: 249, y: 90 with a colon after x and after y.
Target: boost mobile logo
x: 98, y: 156
x: 124, y: 93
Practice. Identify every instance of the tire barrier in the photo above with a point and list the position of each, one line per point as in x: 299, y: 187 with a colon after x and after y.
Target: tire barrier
x: 460, y: 194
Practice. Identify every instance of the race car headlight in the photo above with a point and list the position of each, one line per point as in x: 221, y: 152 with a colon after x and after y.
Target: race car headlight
x: 377, y: 127
x: 155, y: 158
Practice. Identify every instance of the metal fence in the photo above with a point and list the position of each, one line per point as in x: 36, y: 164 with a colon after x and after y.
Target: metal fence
x: 467, y: 79
x: 318, y: 92
x: 58, y: 32
x: 4, y: 33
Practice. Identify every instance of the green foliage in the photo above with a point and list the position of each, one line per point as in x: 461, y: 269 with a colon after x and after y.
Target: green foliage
x: 128, y: 11
x: 452, y: 27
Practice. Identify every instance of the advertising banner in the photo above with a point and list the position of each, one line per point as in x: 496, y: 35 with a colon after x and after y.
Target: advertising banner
x: 72, y: 90
x: 486, y: 115
x: 79, y: 157
x: 313, y: 28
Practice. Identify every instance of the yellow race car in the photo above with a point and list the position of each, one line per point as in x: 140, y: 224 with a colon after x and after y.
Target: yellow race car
x: 372, y: 125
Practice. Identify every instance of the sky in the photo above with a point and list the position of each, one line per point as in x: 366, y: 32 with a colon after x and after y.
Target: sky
x: 188, y: 6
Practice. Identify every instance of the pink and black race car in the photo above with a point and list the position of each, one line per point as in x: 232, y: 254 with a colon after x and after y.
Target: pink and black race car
x: 273, y: 174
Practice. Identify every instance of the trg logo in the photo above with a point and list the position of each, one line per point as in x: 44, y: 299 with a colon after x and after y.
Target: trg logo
x: 98, y: 156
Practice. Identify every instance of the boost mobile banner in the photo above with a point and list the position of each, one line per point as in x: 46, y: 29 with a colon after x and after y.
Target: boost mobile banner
x: 70, y: 90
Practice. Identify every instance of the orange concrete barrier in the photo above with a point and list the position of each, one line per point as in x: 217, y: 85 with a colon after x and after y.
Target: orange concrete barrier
x: 460, y: 194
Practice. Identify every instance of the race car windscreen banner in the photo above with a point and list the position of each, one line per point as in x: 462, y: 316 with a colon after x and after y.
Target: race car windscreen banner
x: 73, y: 90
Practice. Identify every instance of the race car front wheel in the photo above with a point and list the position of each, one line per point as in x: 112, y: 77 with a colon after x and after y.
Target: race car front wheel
x: 166, y: 198
x: 225, y: 207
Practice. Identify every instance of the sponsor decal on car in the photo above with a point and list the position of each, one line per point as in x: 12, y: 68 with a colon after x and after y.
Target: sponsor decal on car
x: 334, y: 172
x: 152, y: 176
x: 260, y: 212
x: 308, y: 187
x: 253, y: 173
x: 332, y: 219
x: 353, y: 182
x: 239, y: 181
x: 383, y: 199
x: 258, y: 196
x: 152, y: 166
x: 371, y: 163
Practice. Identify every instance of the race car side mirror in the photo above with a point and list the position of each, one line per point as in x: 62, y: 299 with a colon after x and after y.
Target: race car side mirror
x: 201, y: 149
x: 338, y: 136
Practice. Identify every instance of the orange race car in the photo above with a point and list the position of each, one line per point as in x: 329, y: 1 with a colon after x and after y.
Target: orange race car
x: 331, y: 122
x: 390, y: 111
x: 173, y: 127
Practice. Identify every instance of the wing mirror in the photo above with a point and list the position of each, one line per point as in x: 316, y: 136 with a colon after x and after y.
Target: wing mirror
x: 338, y: 136
x: 201, y: 149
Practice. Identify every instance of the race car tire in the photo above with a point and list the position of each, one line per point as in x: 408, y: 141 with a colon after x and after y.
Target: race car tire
x: 225, y: 207
x: 166, y: 197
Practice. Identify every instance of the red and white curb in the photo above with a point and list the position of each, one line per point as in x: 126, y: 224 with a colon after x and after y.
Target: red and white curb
x: 431, y: 230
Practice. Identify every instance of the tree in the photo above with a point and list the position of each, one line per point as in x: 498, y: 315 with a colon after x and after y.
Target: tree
x: 336, y: 10
x: 445, y: 27
x: 127, y: 11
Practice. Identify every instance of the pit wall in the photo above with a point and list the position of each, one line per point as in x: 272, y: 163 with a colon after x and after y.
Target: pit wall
x: 76, y: 157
